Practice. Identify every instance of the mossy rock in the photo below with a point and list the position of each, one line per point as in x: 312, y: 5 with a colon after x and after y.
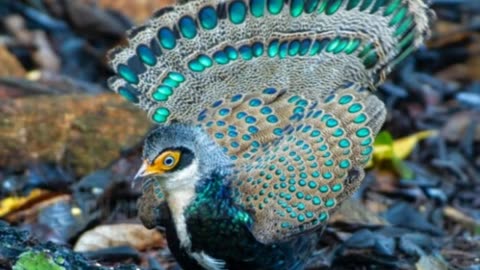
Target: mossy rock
x: 81, y: 132
x: 19, y: 251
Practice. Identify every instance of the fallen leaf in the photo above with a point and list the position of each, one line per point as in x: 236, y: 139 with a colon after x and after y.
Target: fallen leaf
x: 10, y: 65
x: 387, y: 181
x: 468, y: 222
x: 106, y: 236
x: 458, y: 126
x: 383, y: 146
x: 400, y: 148
x: 447, y: 33
x: 10, y: 204
x: 431, y: 262
x: 353, y: 212
x: 139, y: 10
x: 29, y: 211
x: 387, y: 149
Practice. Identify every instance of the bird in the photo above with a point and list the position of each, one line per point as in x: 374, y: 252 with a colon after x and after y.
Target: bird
x: 266, y: 115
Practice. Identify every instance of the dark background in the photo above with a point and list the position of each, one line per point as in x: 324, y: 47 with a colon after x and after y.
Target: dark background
x: 69, y: 147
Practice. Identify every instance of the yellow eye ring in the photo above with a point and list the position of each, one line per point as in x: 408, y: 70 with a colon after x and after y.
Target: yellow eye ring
x: 166, y: 161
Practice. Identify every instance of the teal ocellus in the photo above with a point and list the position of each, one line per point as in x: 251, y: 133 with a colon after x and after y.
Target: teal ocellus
x: 266, y: 118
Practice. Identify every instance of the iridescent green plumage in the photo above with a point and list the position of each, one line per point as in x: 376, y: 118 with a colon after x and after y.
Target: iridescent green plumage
x: 277, y: 111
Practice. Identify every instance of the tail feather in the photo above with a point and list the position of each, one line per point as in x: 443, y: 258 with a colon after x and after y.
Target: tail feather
x: 190, y: 55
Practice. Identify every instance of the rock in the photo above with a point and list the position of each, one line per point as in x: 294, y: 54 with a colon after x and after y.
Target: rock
x: 404, y: 215
x: 82, y: 132
x: 19, y: 251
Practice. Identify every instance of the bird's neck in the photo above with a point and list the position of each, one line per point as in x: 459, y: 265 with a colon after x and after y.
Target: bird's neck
x: 178, y: 200
x: 179, y: 194
x: 187, y: 200
x: 190, y: 202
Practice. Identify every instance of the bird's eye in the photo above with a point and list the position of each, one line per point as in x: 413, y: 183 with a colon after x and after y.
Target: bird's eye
x: 166, y: 161
x: 169, y: 161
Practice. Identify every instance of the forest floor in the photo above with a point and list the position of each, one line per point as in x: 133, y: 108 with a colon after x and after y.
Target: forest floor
x: 69, y: 148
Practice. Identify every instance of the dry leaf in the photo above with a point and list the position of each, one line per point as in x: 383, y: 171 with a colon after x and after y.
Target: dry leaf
x: 10, y: 65
x: 458, y: 126
x: 468, y: 222
x: 139, y: 10
x: 134, y: 235
x: 28, y: 212
x: 447, y: 33
x: 353, y: 212
x: 395, y: 151
x: 431, y: 262
x: 400, y: 148
x: 10, y: 204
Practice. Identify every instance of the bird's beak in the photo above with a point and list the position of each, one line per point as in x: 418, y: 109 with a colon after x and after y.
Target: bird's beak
x: 142, y: 172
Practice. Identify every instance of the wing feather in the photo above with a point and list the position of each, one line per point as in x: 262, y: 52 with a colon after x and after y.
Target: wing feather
x: 297, y: 159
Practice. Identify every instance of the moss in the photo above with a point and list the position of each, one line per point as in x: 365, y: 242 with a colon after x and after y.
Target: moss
x: 34, y: 260
x: 82, y: 132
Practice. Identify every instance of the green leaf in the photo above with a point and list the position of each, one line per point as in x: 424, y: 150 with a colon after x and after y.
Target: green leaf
x: 384, y: 138
x: 395, y: 151
x: 402, y: 168
x: 34, y: 260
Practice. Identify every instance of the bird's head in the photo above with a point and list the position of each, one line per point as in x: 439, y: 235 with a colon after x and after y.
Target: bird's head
x: 179, y: 155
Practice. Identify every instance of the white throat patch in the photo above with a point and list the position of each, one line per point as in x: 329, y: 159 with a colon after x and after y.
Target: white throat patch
x: 180, y: 192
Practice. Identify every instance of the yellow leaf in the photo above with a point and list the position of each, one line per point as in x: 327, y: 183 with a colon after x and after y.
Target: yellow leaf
x: 13, y: 203
x: 382, y: 152
x: 403, y: 147
x: 400, y: 148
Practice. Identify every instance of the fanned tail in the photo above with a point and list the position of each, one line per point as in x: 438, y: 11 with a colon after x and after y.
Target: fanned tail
x: 188, y: 56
